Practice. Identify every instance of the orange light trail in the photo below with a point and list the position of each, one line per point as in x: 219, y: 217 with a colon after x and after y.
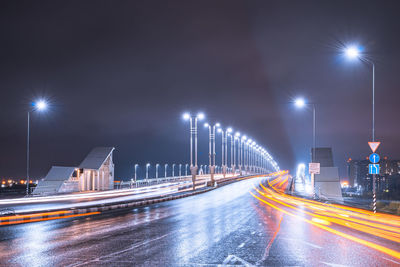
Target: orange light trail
x: 323, y: 215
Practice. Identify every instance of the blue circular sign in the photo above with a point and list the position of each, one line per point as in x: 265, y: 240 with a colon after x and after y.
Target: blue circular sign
x: 374, y: 158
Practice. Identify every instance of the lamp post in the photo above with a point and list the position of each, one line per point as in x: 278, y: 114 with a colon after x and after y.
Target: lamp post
x: 173, y: 170
x: 301, y: 103
x: 193, y: 135
x: 40, y: 105
x: 180, y: 170
x: 211, y: 150
x: 186, y: 169
x: 236, y: 138
x: 354, y: 52
x: 157, y: 166
x: 232, y: 163
x: 147, y: 171
x: 165, y: 170
x: 136, y: 166
x: 224, y: 154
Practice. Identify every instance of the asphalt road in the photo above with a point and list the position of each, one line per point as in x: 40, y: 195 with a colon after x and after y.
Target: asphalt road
x: 226, y: 226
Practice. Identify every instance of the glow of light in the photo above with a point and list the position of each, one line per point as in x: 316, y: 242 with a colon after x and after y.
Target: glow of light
x: 219, y: 130
x: 352, y: 52
x: 201, y: 116
x: 237, y: 134
x: 229, y: 130
x: 41, y: 105
x: 217, y: 124
x: 300, y: 102
x: 206, y: 124
x: 186, y: 116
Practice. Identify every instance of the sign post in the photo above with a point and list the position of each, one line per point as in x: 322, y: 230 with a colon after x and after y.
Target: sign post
x: 373, y: 169
x: 313, y: 169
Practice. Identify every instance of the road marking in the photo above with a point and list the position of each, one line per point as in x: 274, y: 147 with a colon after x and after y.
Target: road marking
x: 232, y: 259
x: 334, y: 264
x: 241, y: 245
x: 253, y: 232
x: 396, y: 262
x: 301, y: 241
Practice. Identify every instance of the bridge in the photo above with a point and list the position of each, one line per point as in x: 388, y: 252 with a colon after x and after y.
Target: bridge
x: 242, y: 212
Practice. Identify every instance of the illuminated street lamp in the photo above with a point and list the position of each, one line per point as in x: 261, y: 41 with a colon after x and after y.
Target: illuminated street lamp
x: 173, y: 170
x: 40, y: 105
x: 193, y: 133
x: 354, y: 52
x: 180, y: 170
x: 224, y: 153
x: 301, y: 103
x: 211, y: 149
x: 186, y: 169
x: 165, y: 170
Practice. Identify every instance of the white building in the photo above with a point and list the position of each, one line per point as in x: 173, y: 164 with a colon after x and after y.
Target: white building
x: 96, y: 172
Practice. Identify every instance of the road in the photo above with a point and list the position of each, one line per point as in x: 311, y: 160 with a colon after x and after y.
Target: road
x: 242, y: 223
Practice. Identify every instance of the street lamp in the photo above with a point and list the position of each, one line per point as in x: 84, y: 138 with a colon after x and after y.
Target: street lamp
x: 40, y: 105
x: 147, y: 171
x: 173, y: 170
x: 136, y: 166
x: 301, y: 103
x: 211, y: 149
x: 186, y: 169
x: 180, y: 170
x: 354, y: 52
x: 165, y: 170
x: 157, y: 166
x: 193, y: 133
x: 224, y: 150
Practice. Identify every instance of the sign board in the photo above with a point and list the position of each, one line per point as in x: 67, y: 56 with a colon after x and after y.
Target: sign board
x: 374, y: 158
x: 314, y: 168
x: 373, y: 169
x: 374, y: 146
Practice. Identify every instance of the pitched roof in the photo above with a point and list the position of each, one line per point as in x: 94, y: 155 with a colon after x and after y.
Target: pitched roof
x: 54, y: 180
x: 58, y: 173
x: 96, y: 158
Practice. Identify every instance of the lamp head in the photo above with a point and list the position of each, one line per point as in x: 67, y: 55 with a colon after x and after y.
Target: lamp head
x: 300, y: 102
x: 40, y: 105
x: 352, y: 52
x: 200, y: 116
x: 186, y: 116
x: 218, y: 124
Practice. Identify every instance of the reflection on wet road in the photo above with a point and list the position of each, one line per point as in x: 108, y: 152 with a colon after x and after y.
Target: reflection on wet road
x: 250, y: 222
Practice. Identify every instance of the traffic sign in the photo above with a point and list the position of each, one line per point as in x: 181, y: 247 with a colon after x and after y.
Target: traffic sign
x: 373, y: 169
x: 374, y: 158
x: 314, y: 168
x: 374, y: 146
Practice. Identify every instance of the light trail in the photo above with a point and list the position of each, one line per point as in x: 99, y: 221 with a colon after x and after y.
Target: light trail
x: 377, y: 247
x: 328, y: 216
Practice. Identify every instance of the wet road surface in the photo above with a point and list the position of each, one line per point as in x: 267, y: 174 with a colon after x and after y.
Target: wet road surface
x: 232, y: 225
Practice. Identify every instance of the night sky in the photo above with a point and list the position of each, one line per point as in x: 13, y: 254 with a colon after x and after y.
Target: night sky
x: 120, y: 73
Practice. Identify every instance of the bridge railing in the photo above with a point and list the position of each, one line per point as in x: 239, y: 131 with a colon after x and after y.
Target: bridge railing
x: 162, y: 180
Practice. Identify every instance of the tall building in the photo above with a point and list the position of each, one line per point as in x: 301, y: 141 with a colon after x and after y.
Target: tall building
x: 357, y: 171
